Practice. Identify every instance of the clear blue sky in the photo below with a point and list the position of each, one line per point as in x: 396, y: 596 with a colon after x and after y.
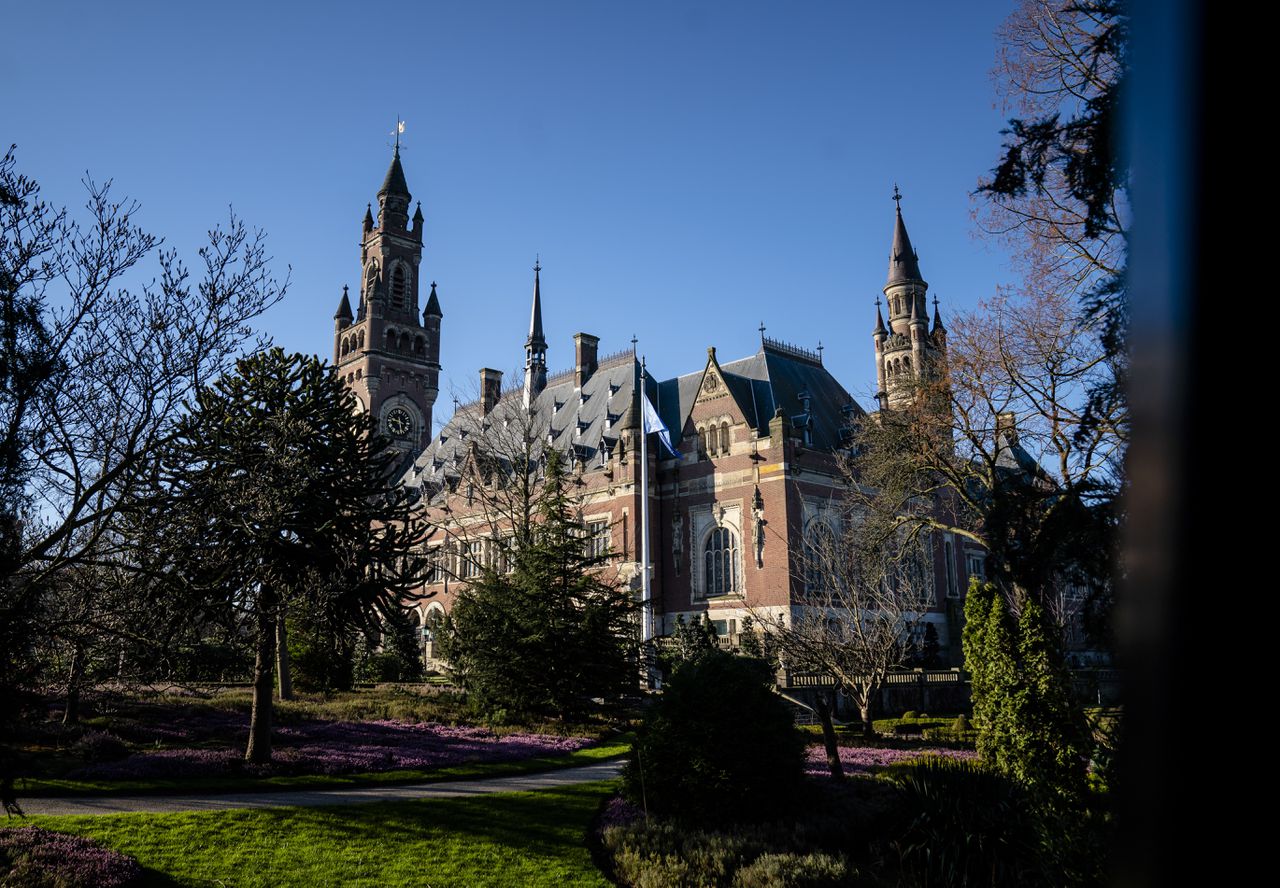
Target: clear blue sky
x: 686, y: 170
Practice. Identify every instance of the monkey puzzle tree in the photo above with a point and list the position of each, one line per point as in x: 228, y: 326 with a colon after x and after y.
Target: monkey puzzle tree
x: 275, y: 478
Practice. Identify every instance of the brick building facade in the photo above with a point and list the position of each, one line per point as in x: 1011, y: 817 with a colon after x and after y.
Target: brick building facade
x: 754, y: 471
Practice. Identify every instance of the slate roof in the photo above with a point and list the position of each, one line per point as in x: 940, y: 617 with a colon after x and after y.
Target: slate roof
x: 773, y: 377
x: 576, y: 423
x: 582, y: 423
x: 904, y: 264
x: 395, y: 182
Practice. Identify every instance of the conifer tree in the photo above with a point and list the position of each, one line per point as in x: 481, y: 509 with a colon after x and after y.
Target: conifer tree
x: 1027, y: 726
x: 544, y: 631
x: 274, y: 478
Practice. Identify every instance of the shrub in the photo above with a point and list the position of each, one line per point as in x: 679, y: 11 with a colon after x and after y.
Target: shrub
x: 718, y: 746
x: 910, y: 713
x: 961, y: 724
x: 40, y: 858
x: 100, y: 746
x: 793, y: 871
x: 969, y: 825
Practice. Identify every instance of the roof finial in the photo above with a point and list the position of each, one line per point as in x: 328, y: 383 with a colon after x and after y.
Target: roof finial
x: 633, y: 343
x: 820, y: 347
x: 397, y: 131
x: 762, y: 329
x: 537, y: 263
x: 897, y: 196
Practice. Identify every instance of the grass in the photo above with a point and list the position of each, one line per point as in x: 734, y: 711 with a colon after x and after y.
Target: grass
x: 49, y: 787
x: 532, y: 838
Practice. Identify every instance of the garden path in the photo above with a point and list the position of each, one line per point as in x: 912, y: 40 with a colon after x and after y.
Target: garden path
x: 309, y: 798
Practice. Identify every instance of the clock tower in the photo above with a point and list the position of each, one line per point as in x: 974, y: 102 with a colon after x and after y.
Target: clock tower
x: 388, y: 350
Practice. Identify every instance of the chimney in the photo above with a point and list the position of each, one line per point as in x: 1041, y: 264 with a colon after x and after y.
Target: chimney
x: 1006, y: 429
x: 490, y: 389
x: 584, y: 351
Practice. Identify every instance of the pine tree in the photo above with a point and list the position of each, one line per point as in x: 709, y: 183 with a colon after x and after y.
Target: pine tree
x: 552, y: 634
x: 275, y: 493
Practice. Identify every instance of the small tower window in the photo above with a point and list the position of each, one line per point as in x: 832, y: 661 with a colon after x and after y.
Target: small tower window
x: 398, y: 287
x: 724, y: 437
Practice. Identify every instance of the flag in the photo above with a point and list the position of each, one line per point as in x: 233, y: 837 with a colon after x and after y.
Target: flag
x: 653, y: 423
x: 400, y: 126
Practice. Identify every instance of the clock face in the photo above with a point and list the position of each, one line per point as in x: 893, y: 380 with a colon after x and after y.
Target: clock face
x: 398, y: 421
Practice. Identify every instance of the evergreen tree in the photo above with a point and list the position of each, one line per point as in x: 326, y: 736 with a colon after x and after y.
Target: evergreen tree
x: 551, y: 634
x: 1028, y: 727
x: 276, y: 480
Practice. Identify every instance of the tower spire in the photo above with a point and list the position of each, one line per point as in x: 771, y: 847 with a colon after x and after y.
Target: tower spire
x: 904, y: 264
x: 536, y: 340
x: 535, y: 347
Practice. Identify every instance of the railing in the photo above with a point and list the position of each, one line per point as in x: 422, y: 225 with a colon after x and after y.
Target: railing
x: 794, y: 351
x: 790, y: 679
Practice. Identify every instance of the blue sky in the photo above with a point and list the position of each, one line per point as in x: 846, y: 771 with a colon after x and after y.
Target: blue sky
x: 685, y: 170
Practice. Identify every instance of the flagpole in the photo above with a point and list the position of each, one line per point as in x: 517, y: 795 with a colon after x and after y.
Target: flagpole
x: 646, y: 597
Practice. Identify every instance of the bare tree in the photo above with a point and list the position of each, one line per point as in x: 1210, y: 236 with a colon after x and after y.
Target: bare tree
x: 1059, y: 195
x: 864, y: 598
x: 1003, y: 447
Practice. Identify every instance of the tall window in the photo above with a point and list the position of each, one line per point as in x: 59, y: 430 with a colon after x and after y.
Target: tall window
x: 468, y: 556
x: 953, y: 590
x: 597, y: 538
x: 721, y: 562
x: 819, y: 557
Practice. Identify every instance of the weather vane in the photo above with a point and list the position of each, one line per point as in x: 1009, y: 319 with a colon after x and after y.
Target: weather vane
x: 397, y: 131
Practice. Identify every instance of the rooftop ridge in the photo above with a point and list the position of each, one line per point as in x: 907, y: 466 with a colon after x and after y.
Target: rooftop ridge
x: 792, y: 351
x: 618, y: 357
x: 562, y: 376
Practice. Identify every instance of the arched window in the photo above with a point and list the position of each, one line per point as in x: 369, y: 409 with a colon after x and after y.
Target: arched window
x: 346, y: 345
x: 398, y: 287
x: 391, y: 340
x: 906, y: 364
x: 418, y: 345
x: 724, y: 437
x: 702, y: 442
x: 721, y: 562
x: 361, y: 340
x: 371, y: 281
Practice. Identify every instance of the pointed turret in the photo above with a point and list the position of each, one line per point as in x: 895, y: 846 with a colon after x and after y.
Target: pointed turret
x: 368, y: 218
x: 343, y: 315
x: 393, y: 197
x: 536, y: 340
x: 880, y: 330
x: 395, y: 183
x: 535, y: 347
x: 417, y: 221
x: 433, y: 305
x: 937, y: 319
x: 904, y: 264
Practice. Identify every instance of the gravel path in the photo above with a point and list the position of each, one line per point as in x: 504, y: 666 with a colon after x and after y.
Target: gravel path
x: 309, y: 798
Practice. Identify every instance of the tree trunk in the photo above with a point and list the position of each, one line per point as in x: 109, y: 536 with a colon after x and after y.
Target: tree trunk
x: 71, y: 716
x: 826, y: 703
x: 259, y: 749
x: 284, y: 678
x: 865, y: 711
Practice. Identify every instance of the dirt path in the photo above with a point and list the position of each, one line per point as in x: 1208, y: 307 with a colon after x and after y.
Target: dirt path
x: 309, y: 798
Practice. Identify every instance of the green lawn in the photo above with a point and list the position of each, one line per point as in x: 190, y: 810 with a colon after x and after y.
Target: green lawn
x: 533, y: 839
x: 50, y: 787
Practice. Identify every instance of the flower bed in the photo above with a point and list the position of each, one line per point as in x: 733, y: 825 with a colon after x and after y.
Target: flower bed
x: 334, y: 748
x: 865, y: 759
x: 36, y: 858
